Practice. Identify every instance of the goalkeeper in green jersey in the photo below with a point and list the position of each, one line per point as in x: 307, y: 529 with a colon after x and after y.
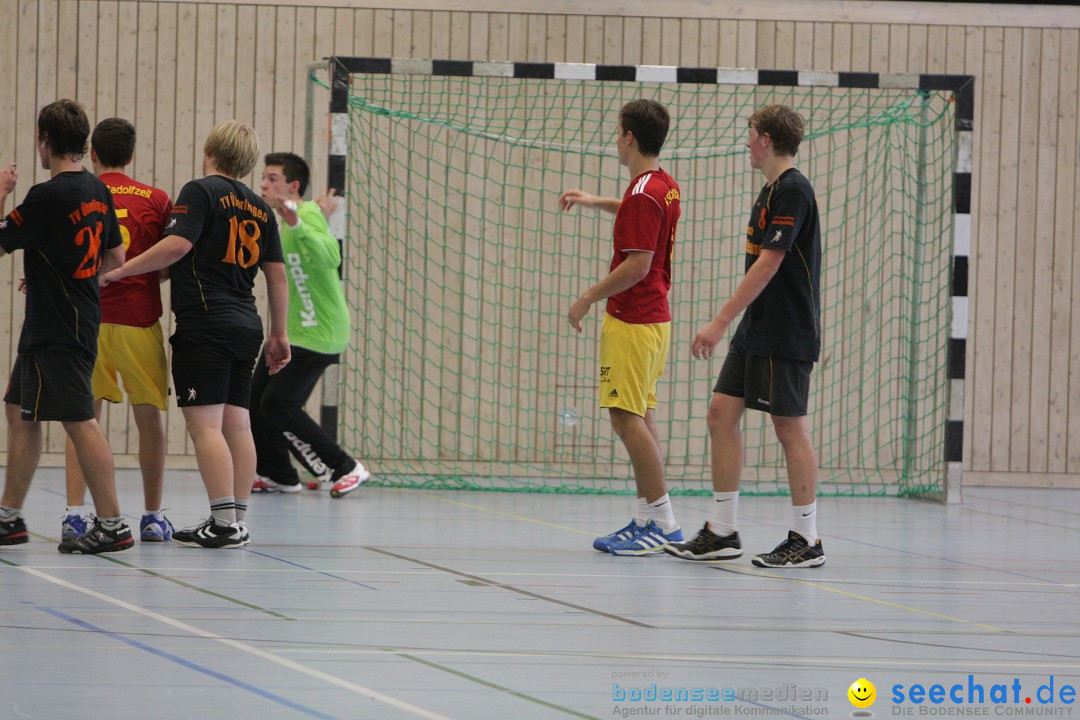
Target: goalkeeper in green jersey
x: 318, y: 330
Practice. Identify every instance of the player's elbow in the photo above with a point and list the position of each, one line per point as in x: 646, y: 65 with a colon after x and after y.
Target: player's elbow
x: 275, y: 274
x: 175, y: 248
x: 770, y: 262
x: 638, y: 265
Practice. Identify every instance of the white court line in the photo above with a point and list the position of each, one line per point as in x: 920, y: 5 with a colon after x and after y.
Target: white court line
x: 894, y: 582
x: 727, y: 659
x: 243, y: 647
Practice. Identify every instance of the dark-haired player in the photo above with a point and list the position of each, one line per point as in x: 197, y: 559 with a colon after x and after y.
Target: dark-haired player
x: 130, y: 343
x: 637, y: 323
x: 67, y: 230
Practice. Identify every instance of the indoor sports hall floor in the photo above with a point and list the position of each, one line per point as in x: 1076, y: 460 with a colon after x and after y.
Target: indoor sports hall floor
x: 408, y: 604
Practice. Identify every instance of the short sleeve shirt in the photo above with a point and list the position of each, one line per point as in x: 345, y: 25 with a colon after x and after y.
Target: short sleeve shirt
x: 646, y: 222
x: 232, y: 232
x: 62, y: 226
x: 785, y: 319
x: 142, y: 212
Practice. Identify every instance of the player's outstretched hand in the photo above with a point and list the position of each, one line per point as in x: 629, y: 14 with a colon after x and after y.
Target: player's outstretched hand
x: 328, y: 202
x: 707, y: 338
x: 278, y: 352
x: 570, y: 198
x: 110, y: 277
x: 22, y: 285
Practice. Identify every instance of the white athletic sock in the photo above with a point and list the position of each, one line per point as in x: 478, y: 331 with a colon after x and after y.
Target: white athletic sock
x: 159, y: 514
x: 79, y: 510
x: 640, y: 514
x: 223, y: 509
x: 241, y: 510
x: 725, y: 511
x: 806, y: 521
x: 111, y: 523
x: 8, y: 513
x: 660, y: 513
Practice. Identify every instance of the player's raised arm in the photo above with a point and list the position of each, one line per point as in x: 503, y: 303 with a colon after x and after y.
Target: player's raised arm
x: 8, y: 176
x: 328, y: 202
x: 570, y: 198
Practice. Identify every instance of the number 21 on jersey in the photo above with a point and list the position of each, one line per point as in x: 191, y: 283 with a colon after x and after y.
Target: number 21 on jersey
x: 90, y: 236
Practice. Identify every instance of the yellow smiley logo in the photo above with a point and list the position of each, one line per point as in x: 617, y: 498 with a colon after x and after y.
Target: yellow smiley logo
x: 862, y: 693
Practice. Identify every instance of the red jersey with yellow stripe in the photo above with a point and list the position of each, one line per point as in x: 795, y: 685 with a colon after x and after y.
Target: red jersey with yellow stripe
x: 646, y: 222
x: 142, y: 211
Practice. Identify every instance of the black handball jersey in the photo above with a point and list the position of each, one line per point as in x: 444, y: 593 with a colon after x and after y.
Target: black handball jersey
x: 785, y: 319
x: 232, y: 232
x: 63, y: 227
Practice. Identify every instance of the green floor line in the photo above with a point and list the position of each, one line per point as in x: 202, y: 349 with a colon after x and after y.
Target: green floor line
x: 493, y: 686
x: 181, y: 583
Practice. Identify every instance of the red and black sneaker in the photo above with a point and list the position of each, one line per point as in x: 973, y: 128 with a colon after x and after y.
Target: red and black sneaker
x: 99, y: 539
x: 793, y: 552
x: 13, y: 532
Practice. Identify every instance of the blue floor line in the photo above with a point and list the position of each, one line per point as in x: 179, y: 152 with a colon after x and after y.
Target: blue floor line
x: 189, y: 664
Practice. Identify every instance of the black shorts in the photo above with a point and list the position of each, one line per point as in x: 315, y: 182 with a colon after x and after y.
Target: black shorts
x: 52, y: 385
x: 777, y: 386
x: 213, y: 366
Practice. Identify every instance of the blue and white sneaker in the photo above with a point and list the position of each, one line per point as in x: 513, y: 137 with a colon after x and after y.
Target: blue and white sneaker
x: 153, y: 528
x: 602, y: 543
x: 649, y: 539
x: 73, y: 527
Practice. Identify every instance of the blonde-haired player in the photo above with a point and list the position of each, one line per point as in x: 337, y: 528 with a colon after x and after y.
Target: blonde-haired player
x: 218, y: 237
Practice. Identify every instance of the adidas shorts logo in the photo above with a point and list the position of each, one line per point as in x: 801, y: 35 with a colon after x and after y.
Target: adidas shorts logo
x: 613, y: 394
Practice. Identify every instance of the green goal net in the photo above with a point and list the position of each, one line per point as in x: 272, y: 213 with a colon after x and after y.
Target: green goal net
x: 463, y: 371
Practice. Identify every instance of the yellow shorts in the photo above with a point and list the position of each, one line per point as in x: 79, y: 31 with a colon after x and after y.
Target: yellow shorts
x: 632, y: 359
x: 138, y: 356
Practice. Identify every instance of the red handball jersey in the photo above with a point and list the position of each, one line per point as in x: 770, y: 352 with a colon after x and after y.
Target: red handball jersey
x: 646, y: 221
x: 142, y: 211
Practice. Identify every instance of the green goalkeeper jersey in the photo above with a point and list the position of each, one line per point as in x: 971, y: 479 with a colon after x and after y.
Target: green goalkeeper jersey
x: 318, y: 316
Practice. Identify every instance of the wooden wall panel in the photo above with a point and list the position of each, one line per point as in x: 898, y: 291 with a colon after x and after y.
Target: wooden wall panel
x: 177, y: 68
x: 1063, y: 453
x: 10, y: 136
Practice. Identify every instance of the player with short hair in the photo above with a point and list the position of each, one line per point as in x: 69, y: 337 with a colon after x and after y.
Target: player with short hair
x: 773, y: 351
x: 318, y: 332
x: 130, y: 342
x: 67, y: 229
x: 637, y: 323
x: 219, y: 234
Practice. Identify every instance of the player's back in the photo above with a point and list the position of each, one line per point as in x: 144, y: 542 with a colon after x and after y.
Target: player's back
x: 646, y: 221
x: 233, y: 232
x: 664, y: 191
x: 142, y: 211
x: 63, y: 225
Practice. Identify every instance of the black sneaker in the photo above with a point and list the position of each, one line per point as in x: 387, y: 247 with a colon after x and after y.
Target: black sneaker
x: 13, y: 531
x: 99, y: 539
x: 707, y: 546
x: 210, y: 534
x: 793, y: 552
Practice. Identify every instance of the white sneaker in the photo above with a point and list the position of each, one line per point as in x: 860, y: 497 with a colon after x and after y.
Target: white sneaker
x: 350, y: 481
x: 264, y: 484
